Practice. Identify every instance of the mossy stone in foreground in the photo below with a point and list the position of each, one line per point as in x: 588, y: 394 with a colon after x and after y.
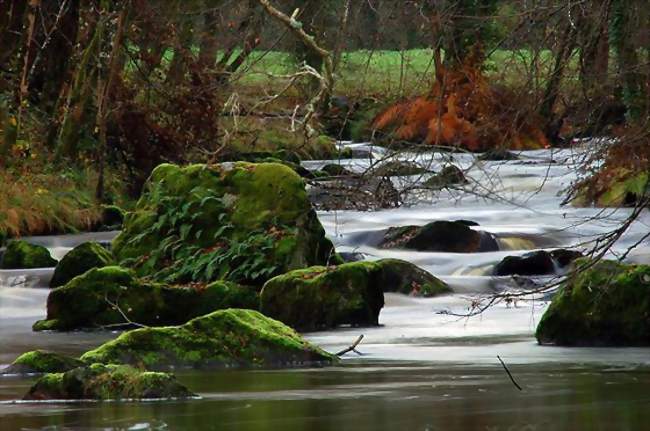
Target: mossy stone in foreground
x: 39, y: 361
x: 605, y: 305
x: 89, y: 300
x: 23, y: 255
x: 225, y: 338
x: 107, y: 382
x: 240, y: 222
x: 352, y: 293
x: 79, y: 260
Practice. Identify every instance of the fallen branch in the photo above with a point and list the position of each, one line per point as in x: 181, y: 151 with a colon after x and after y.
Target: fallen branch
x: 352, y: 347
x: 512, y: 379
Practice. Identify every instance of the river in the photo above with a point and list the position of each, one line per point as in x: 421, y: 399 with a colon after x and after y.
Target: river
x: 423, y: 368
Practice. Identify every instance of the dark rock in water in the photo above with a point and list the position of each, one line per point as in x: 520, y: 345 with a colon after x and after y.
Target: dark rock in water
x: 499, y: 154
x: 351, y: 256
x: 534, y: 263
x: 39, y: 362
x: 607, y: 304
x: 565, y: 257
x: 349, y: 294
x: 225, y: 338
x: 467, y: 222
x: 354, y: 193
x: 107, y: 382
x: 80, y: 259
x: 336, y: 170
x: 397, y: 168
x: 441, y: 236
x: 110, y: 295
x: 449, y: 176
x: 239, y: 222
x: 23, y: 255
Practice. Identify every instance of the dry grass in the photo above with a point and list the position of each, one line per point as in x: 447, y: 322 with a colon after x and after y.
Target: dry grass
x: 32, y: 204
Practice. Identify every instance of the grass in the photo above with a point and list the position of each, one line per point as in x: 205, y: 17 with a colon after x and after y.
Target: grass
x: 47, y: 202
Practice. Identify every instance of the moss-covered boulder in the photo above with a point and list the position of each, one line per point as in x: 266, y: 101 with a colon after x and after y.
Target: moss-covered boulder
x: 225, y: 338
x: 607, y: 304
x: 613, y: 188
x: 23, y: 255
x: 39, y: 362
x: 240, y: 222
x: 113, y: 295
x: 80, y: 259
x: 440, y: 236
x: 349, y: 294
x: 107, y: 382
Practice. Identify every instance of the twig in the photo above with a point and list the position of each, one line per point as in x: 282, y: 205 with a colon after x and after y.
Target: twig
x: 352, y: 348
x: 128, y: 321
x: 512, y: 379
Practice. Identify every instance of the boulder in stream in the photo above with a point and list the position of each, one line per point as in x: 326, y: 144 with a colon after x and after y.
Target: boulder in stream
x: 23, y: 255
x: 240, y: 222
x: 450, y: 175
x: 39, y: 362
x: 80, y: 259
x: 440, y: 236
x: 107, y: 382
x: 224, y: 338
x: 349, y: 294
x: 539, y: 262
x: 113, y: 295
x: 607, y: 304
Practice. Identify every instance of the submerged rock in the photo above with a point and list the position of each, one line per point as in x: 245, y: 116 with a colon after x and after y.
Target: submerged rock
x: 449, y: 176
x: 539, y: 262
x: 440, y: 236
x: 39, y: 361
x: 607, y: 304
x: 80, y: 259
x: 23, y: 255
x: 239, y: 222
x: 113, y: 295
x: 107, y: 382
x: 225, y: 338
x: 349, y: 294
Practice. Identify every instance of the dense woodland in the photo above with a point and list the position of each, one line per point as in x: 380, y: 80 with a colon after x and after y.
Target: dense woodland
x: 95, y: 94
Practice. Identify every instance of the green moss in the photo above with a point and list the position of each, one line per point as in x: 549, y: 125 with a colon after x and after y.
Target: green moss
x: 79, y: 260
x: 351, y: 293
x: 112, y: 216
x: 39, y: 361
x: 95, y: 293
x: 607, y: 304
x: 624, y: 191
x: 224, y: 338
x: 22, y: 255
x: 241, y: 222
x: 107, y: 382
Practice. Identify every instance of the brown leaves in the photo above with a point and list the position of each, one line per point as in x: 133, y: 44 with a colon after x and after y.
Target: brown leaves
x: 463, y: 110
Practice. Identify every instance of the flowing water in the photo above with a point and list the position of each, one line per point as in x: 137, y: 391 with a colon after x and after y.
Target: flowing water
x: 424, y: 368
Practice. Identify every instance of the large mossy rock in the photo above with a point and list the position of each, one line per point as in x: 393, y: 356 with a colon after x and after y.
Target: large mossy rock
x: 225, y: 338
x: 39, y: 362
x: 352, y: 293
x: 607, y: 304
x: 107, y: 382
x: 440, y: 236
x: 240, y: 222
x: 613, y: 188
x: 113, y: 295
x: 80, y: 259
x: 23, y: 255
